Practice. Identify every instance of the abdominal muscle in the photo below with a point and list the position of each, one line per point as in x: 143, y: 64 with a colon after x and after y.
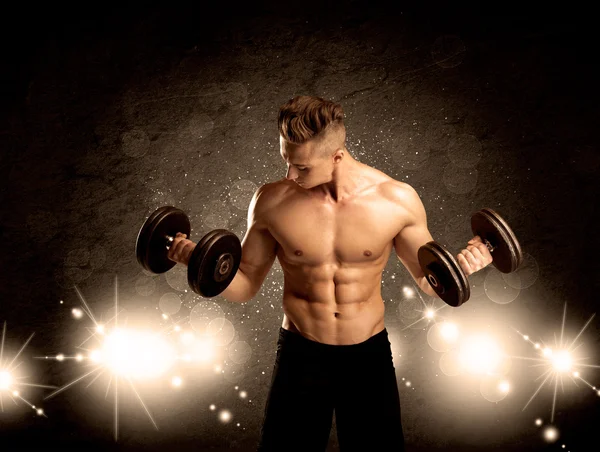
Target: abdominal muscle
x: 343, y: 309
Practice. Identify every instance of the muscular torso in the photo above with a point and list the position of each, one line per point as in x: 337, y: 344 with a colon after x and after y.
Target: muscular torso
x: 333, y: 255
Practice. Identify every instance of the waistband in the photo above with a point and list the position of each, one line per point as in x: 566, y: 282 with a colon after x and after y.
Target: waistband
x: 292, y: 338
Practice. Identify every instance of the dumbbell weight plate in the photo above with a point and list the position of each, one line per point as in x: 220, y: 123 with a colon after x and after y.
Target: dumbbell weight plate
x: 151, y: 244
x: 444, y: 274
x: 214, y: 262
x: 195, y: 260
x: 490, y: 226
x: 204, y: 240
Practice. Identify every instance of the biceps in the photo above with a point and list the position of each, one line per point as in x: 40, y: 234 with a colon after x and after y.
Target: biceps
x: 259, y: 249
x: 407, y: 244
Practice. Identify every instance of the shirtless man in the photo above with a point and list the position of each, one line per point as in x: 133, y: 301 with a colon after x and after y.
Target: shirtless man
x: 332, y: 223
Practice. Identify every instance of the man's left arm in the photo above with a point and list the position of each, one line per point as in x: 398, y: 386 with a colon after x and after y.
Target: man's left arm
x: 415, y: 234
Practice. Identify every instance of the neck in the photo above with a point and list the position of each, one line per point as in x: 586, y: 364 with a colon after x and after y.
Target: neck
x: 347, y: 179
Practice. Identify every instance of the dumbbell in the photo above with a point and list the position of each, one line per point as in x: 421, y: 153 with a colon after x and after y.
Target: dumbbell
x: 445, y: 275
x: 213, y: 263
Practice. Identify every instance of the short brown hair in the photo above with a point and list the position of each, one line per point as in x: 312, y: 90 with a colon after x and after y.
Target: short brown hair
x: 305, y: 117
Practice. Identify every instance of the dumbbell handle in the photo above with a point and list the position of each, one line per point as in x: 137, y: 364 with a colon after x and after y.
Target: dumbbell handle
x: 489, y: 245
x: 431, y: 277
x: 224, y: 262
x: 170, y: 239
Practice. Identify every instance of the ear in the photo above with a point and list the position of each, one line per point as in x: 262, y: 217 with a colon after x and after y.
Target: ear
x: 338, y: 155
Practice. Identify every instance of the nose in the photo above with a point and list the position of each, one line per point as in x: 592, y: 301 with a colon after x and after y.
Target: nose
x: 290, y: 175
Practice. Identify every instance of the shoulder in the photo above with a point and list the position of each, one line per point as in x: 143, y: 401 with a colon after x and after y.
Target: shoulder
x: 399, y: 192
x: 404, y: 197
x: 267, y: 196
x: 390, y: 188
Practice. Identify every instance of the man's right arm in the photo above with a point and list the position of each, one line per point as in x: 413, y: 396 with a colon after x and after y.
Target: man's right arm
x: 259, y: 250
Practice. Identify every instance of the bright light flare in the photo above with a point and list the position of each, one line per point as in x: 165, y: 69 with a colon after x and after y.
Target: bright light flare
x: 9, y: 379
x: 562, y: 361
x: 429, y: 311
x: 551, y: 434
x: 408, y: 292
x: 124, y: 354
x: 492, y: 389
x: 77, y: 313
x: 504, y: 386
x: 200, y: 349
x: 187, y: 338
x: 442, y: 336
x: 136, y: 354
x: 449, y: 331
x: 480, y: 355
x: 225, y: 416
x: 204, y: 350
x: 559, y: 362
x: 95, y: 356
x: 6, y: 380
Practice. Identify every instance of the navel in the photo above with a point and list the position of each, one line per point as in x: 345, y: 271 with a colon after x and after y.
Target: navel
x: 336, y: 314
x: 367, y: 253
x: 298, y: 253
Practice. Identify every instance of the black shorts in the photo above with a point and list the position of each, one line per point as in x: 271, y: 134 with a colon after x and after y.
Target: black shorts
x: 311, y: 380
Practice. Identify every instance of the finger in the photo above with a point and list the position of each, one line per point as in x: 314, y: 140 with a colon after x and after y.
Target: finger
x: 175, y: 252
x: 171, y: 254
x: 187, y: 248
x: 474, y: 248
x: 486, y: 253
x: 484, y: 250
x: 464, y: 264
x: 187, y: 251
x: 479, y: 257
x: 473, y: 262
x: 181, y: 246
x: 174, y: 244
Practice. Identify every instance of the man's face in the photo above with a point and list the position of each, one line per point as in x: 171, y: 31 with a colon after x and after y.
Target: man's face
x: 303, y: 167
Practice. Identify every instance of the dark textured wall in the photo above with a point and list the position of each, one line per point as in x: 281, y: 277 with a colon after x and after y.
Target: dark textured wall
x: 108, y: 114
